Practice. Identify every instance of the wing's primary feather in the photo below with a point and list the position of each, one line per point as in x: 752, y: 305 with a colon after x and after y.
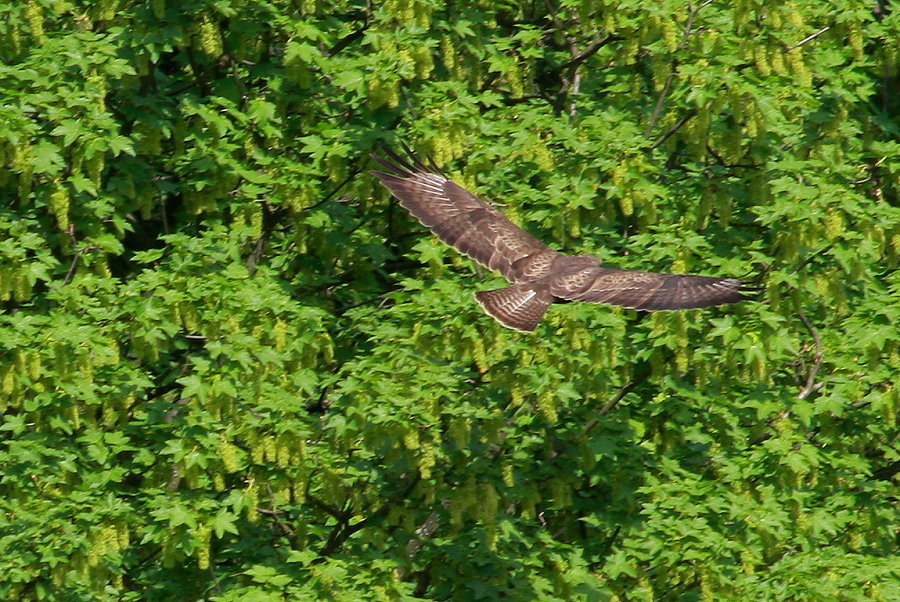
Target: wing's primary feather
x: 456, y: 216
x: 649, y: 291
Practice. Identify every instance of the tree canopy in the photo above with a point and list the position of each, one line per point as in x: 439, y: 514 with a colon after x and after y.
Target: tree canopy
x: 233, y: 368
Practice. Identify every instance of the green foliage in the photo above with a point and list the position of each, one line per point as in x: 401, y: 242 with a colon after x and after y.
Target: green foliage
x: 231, y: 368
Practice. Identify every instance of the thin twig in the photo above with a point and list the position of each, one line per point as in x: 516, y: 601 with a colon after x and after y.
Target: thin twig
x: 343, y: 530
x: 809, y: 259
x: 349, y: 38
x: 569, y: 74
x: 260, y: 246
x: 587, y: 52
x: 342, y: 310
x: 71, y: 271
x: 331, y: 194
x: 657, y: 108
x: 176, y: 476
x: 807, y: 39
x: 327, y: 508
x: 722, y: 162
x: 623, y: 391
x: 71, y: 233
x: 619, y: 396
x: 275, y: 513
x: 690, y: 21
x: 817, y: 359
x: 678, y: 125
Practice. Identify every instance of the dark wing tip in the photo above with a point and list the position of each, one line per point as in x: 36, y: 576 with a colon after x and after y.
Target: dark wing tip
x: 750, y: 293
x: 408, y: 164
x: 685, y: 291
x: 726, y: 291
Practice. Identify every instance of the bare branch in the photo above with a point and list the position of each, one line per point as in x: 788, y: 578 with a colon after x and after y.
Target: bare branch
x: 624, y: 390
x: 657, y: 107
x: 428, y: 528
x: 327, y: 508
x: 807, y: 39
x: 72, y: 267
x: 260, y: 246
x: 331, y: 194
x: 343, y: 530
x: 596, y: 44
x: 678, y: 125
x: 812, y: 257
x: 275, y: 513
x: 811, y: 384
x: 690, y: 22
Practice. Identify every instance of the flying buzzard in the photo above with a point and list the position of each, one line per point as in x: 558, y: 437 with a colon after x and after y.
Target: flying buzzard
x: 540, y: 275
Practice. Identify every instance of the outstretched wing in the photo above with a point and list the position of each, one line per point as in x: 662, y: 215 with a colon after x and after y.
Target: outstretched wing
x: 541, y: 275
x: 646, y: 290
x: 456, y: 216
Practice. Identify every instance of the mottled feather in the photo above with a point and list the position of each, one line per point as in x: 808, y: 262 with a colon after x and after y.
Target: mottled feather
x: 541, y: 276
x: 519, y: 306
x: 456, y: 216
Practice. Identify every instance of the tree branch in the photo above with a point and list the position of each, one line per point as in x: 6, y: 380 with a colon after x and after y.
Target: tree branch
x: 337, y: 188
x: 624, y: 390
x: 657, y: 108
x: 678, y: 125
x: 811, y: 384
x: 812, y: 257
x: 275, y: 513
x: 349, y: 38
x: 588, y: 51
x: 343, y: 530
x: 886, y: 473
x: 426, y: 530
x: 807, y: 39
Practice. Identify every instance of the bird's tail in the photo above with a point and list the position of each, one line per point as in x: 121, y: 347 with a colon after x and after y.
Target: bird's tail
x: 519, y: 306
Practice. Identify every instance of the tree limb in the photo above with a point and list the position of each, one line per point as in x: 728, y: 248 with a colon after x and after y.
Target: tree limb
x: 657, y: 108
x: 811, y: 384
x: 678, y: 125
x: 807, y: 39
x: 343, y: 530
x: 624, y: 390
x: 596, y: 44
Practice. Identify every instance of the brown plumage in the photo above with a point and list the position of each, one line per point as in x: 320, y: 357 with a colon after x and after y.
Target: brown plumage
x: 540, y: 275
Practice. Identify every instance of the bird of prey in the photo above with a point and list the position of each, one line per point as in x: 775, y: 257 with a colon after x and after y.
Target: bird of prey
x: 540, y: 275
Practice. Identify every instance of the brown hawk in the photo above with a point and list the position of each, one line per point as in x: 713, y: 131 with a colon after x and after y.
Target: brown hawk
x: 540, y: 275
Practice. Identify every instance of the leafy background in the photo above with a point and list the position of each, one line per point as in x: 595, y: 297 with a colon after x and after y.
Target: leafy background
x: 231, y: 368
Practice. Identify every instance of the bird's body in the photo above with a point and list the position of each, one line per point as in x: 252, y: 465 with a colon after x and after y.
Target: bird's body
x: 540, y: 275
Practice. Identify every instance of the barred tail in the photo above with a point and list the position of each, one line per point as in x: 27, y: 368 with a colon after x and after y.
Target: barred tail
x: 519, y: 306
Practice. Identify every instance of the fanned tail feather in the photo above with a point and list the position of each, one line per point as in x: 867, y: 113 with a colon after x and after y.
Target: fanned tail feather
x: 519, y: 306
